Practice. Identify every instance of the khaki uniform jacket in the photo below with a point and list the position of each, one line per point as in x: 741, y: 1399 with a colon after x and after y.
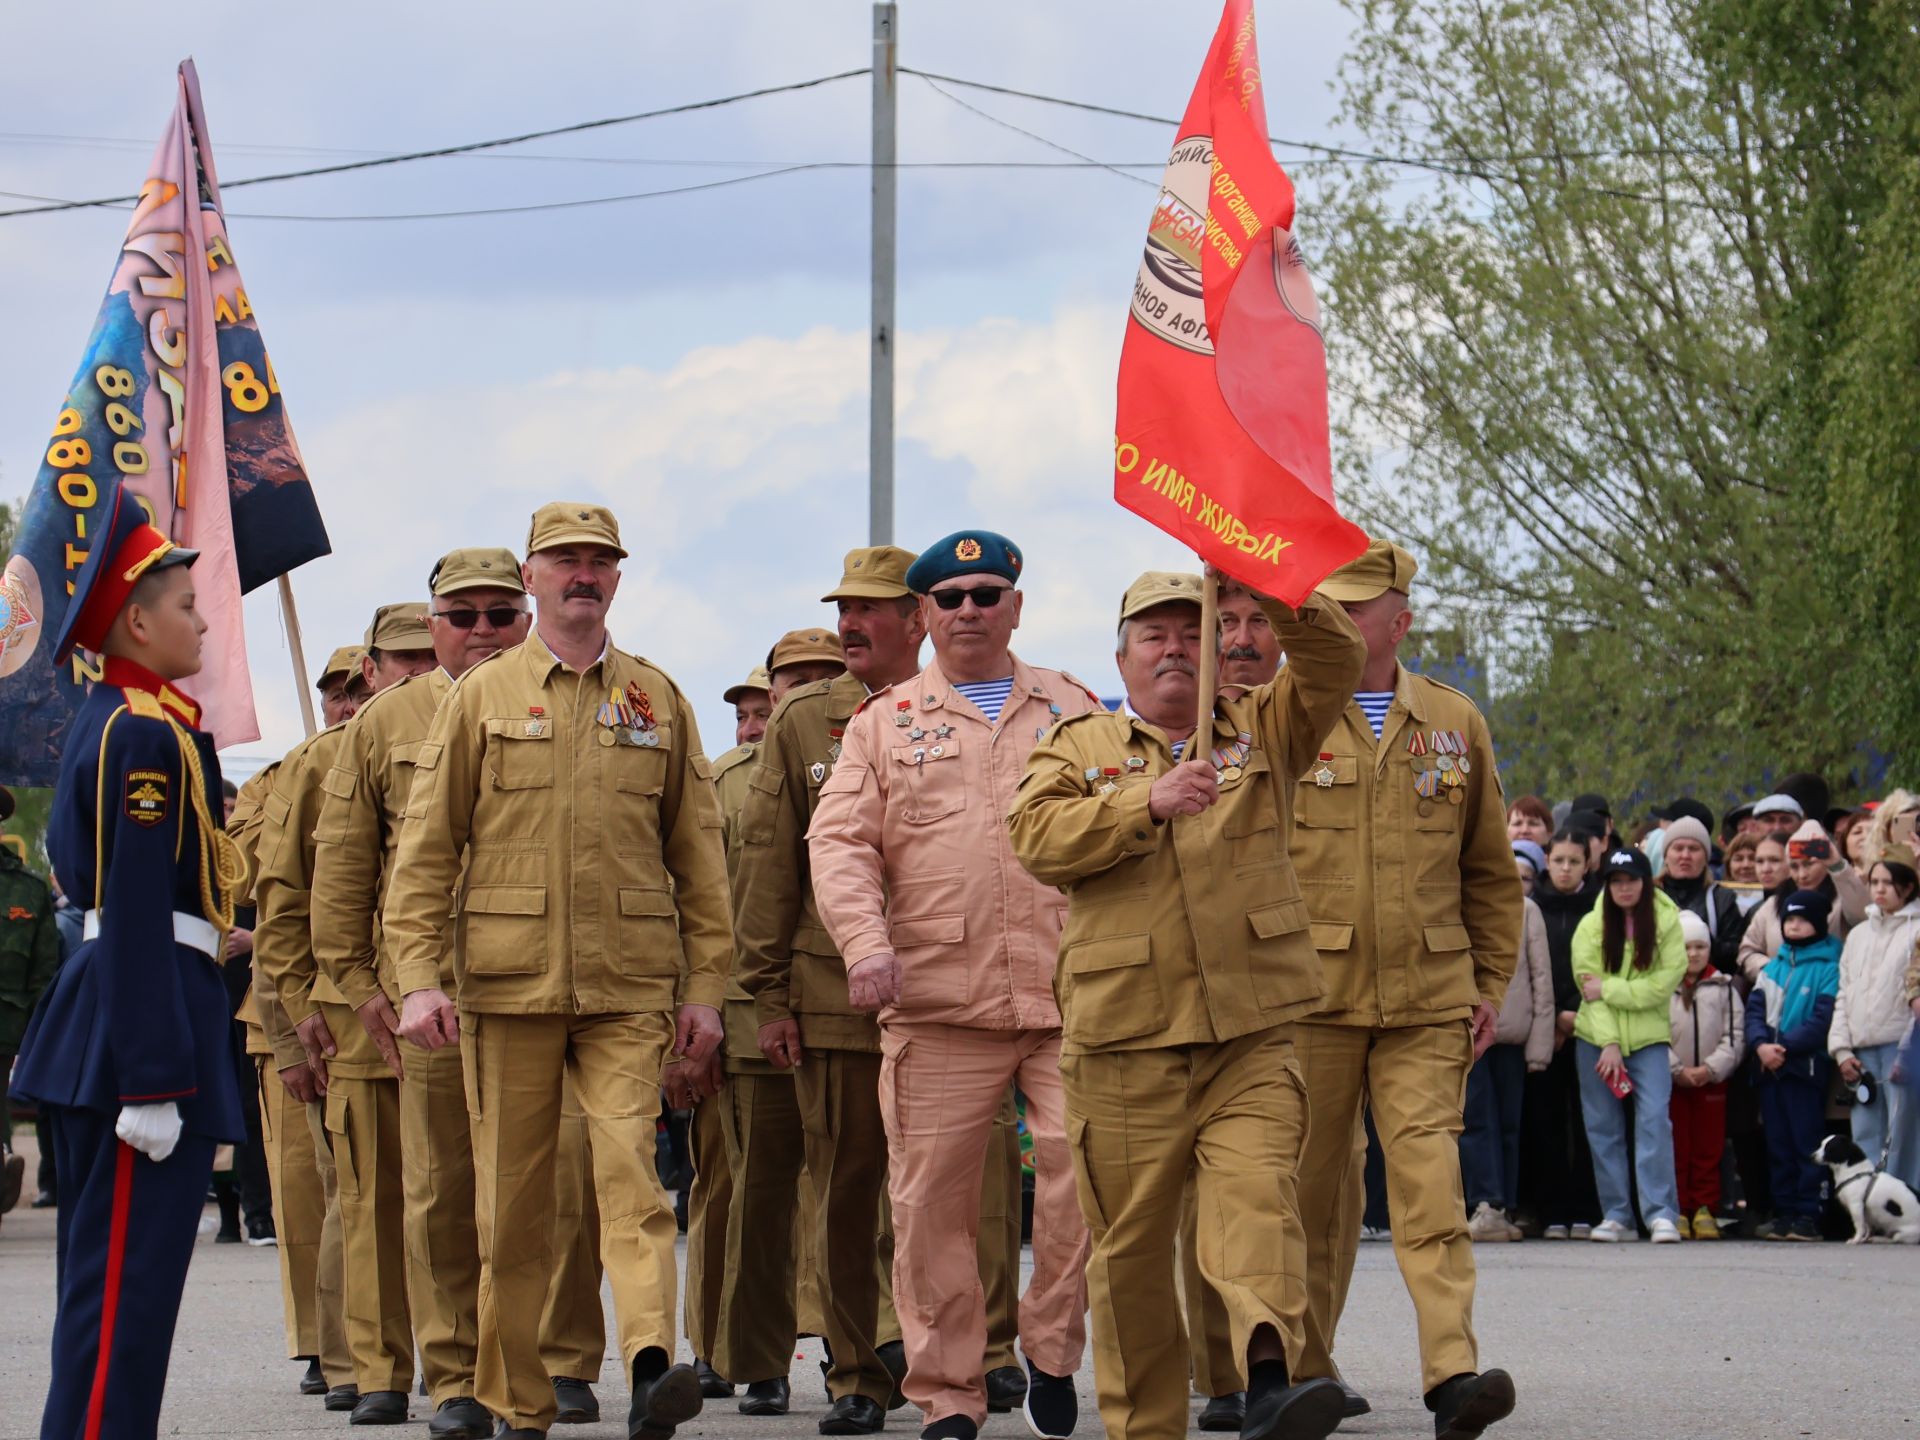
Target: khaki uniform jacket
x: 910, y: 852
x: 1415, y: 899
x: 249, y: 818
x: 282, y: 885
x: 788, y: 961
x: 367, y: 789
x: 596, y: 881
x: 1191, y: 931
x: 730, y: 774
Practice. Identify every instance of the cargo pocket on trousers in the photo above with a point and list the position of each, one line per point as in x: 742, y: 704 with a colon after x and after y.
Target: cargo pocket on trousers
x: 1091, y: 1208
x: 340, y: 1142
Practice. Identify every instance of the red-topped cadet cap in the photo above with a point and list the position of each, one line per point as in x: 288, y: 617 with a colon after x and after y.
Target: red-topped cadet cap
x: 126, y: 549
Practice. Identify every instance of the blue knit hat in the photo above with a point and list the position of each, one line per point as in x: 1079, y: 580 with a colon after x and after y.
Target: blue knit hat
x: 1528, y: 851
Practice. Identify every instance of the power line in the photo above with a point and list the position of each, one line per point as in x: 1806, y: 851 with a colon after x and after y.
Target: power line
x: 474, y: 145
x: 937, y: 89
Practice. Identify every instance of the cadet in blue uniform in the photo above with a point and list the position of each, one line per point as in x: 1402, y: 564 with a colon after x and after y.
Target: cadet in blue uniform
x: 131, y: 1049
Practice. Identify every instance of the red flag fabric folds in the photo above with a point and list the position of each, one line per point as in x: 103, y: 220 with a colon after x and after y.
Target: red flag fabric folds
x: 1221, y: 436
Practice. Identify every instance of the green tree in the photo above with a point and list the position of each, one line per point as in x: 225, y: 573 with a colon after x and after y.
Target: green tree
x: 1611, y: 363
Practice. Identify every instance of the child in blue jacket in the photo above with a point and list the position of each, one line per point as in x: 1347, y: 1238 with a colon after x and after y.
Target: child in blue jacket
x: 1787, y: 1018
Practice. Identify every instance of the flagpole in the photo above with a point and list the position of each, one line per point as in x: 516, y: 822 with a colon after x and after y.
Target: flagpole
x: 290, y: 619
x: 1209, y: 660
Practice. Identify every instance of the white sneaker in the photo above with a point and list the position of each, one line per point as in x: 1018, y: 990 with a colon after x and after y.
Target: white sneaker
x: 1375, y: 1233
x: 1612, y: 1232
x: 1665, y: 1232
x: 1487, y: 1224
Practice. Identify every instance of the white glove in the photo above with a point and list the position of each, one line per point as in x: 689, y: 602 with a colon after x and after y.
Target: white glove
x: 153, y: 1130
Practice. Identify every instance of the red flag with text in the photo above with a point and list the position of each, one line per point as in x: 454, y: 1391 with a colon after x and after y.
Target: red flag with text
x: 1221, y: 435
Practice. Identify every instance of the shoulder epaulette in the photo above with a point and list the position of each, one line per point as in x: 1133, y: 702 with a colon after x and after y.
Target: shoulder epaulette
x: 1442, y: 685
x: 883, y: 690
x: 733, y: 757
x: 145, y: 705
x: 1074, y: 679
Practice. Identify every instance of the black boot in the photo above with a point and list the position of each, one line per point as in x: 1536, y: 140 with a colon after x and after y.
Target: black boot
x: 461, y: 1418
x: 766, y: 1397
x: 380, y: 1407
x: 1277, y: 1410
x: 574, y: 1401
x: 1467, y: 1404
x: 664, y: 1396
x: 1006, y: 1388
x: 713, y: 1384
x: 229, y: 1201
x: 313, y: 1382
x: 1224, y: 1412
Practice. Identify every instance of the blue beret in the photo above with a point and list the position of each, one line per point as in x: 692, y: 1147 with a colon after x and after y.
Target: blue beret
x: 965, y: 552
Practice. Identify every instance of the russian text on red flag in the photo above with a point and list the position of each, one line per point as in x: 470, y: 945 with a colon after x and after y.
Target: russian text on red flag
x: 1221, y: 436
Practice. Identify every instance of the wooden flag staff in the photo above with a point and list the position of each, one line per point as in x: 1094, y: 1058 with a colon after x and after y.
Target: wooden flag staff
x: 1202, y: 744
x: 290, y: 620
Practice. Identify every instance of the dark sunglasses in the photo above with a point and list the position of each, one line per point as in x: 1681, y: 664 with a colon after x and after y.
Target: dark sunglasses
x: 498, y: 616
x: 983, y: 596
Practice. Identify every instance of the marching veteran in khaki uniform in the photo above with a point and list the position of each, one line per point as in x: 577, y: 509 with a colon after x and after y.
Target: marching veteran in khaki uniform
x: 945, y: 935
x: 306, y: 1201
x: 1185, y: 962
x: 563, y: 837
x: 1401, y: 846
x: 750, y: 1184
x: 359, y: 1099
x: 478, y: 608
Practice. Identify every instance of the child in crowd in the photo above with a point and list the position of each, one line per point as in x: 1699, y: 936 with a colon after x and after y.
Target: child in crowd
x: 1870, y: 1014
x: 1788, y: 1015
x: 1628, y: 958
x: 1708, y: 1025
x: 1522, y: 1046
x: 1556, y: 1172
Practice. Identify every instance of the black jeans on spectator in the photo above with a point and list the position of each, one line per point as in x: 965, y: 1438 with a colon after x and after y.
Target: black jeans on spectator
x: 1556, y: 1165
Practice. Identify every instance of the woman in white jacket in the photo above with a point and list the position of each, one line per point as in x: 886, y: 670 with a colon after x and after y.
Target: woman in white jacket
x: 1871, y: 1016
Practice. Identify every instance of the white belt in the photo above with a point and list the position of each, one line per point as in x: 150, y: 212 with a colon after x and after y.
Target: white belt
x: 190, y: 930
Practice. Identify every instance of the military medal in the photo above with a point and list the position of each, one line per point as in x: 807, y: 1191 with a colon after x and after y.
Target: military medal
x: 641, y: 705
x: 1417, y: 745
x: 900, y: 715
x: 1107, y: 775
x: 535, y: 726
x: 944, y: 731
x: 916, y: 733
x: 834, y: 732
x: 818, y: 771
x: 1136, y: 763
x: 1053, y: 709
x: 1324, y: 776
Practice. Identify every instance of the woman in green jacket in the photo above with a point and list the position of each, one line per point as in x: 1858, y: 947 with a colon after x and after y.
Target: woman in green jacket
x: 1628, y: 959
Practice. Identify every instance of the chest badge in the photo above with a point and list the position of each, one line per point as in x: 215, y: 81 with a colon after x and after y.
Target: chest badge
x: 146, y: 802
x: 1324, y: 777
x: 818, y: 770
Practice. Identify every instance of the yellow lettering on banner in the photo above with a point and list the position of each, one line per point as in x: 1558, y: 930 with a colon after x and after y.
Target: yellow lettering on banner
x: 172, y: 353
x: 1235, y: 198
x: 121, y: 420
x: 68, y: 422
x: 130, y: 457
x: 217, y: 253
x: 1125, y: 457
x: 244, y: 388
x: 222, y: 312
x: 167, y: 249
x: 226, y: 314
x: 1229, y: 529
x: 176, y: 394
x: 180, y: 480
x: 85, y: 672
x: 153, y: 194
x: 113, y: 381
x: 76, y: 557
x: 246, y: 306
x: 76, y: 487
x: 1221, y: 241
x: 66, y: 454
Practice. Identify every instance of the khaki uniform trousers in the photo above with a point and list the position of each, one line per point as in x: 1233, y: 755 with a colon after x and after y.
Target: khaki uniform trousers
x: 363, y: 1128
x: 443, y: 1242
x: 516, y: 1066
x: 1234, y: 1116
x: 306, y: 1218
x: 1415, y: 1079
x: 710, y: 1203
x: 940, y: 1089
x: 1216, y: 1369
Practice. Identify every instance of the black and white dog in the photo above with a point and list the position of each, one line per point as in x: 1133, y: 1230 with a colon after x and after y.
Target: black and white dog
x: 1880, y: 1204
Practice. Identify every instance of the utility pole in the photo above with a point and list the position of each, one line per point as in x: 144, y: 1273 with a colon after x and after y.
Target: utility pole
x: 886, y: 39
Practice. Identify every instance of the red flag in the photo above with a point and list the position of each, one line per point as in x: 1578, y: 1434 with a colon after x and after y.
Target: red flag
x: 1221, y: 438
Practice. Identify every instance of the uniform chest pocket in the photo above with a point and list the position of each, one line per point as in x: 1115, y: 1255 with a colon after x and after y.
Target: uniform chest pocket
x: 402, y: 761
x: 931, y: 776
x: 1249, y: 817
x: 641, y: 769
x: 1326, y: 797
x: 522, y: 753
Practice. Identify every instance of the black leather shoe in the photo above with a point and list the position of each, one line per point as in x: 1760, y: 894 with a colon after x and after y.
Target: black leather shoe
x: 342, y: 1397
x: 461, y: 1418
x: 713, y: 1384
x: 13, y: 1173
x: 575, y: 1402
x: 954, y: 1427
x: 1466, y: 1405
x: 853, y: 1415
x: 893, y: 1355
x: 766, y: 1397
x: 1307, y: 1411
x: 1353, y: 1403
x: 381, y: 1407
x: 506, y: 1432
x: 1224, y: 1412
x: 1006, y: 1388
x: 660, y: 1405
x: 313, y: 1382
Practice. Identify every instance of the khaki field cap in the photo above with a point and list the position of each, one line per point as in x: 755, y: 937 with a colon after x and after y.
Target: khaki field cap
x: 399, y: 627
x: 874, y: 572
x: 1159, y: 587
x: 1384, y: 567
x: 571, y: 522
x: 479, y: 569
x: 344, y: 661
x: 758, y: 680
x: 797, y: 647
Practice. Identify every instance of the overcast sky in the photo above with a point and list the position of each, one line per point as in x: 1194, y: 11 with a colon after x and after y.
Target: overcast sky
x: 697, y: 362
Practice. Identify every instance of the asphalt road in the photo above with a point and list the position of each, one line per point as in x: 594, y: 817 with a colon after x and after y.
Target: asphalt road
x: 1711, y: 1340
